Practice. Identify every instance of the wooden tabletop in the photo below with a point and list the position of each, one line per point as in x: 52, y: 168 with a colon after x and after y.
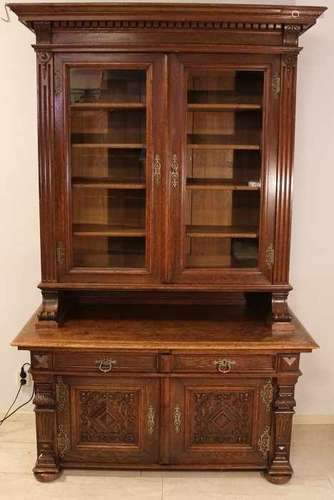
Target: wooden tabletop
x: 161, y: 327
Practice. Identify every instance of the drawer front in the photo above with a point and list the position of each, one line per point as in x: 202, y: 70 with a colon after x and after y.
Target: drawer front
x: 105, y: 362
x: 224, y: 363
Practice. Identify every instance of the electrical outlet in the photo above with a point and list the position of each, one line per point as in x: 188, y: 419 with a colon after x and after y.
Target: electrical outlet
x: 28, y: 378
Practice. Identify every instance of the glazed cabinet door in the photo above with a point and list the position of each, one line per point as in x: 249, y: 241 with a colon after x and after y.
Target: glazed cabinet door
x: 109, y: 156
x: 107, y: 420
x: 223, y: 113
x: 220, y: 423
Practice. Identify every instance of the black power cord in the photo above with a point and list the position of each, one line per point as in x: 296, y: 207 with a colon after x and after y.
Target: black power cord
x: 23, y: 381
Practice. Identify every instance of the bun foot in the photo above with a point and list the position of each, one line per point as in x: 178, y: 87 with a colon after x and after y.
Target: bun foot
x: 46, y: 476
x: 276, y: 478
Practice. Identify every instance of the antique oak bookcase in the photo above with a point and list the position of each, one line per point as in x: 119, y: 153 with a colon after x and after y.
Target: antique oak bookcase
x: 166, y: 137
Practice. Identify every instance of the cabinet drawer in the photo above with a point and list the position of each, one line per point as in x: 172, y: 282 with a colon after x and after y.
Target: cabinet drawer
x: 105, y: 362
x: 223, y: 363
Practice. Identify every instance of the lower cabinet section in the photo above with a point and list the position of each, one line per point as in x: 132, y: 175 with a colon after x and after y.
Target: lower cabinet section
x: 221, y: 423
x: 113, y: 421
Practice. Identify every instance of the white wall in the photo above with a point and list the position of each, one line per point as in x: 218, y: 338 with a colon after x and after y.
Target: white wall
x: 312, y: 268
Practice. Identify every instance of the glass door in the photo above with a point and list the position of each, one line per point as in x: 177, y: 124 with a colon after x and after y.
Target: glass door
x: 221, y: 194
x: 112, y: 199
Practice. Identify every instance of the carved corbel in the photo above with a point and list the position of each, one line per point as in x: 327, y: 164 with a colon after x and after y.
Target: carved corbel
x: 291, y: 33
x: 280, y: 310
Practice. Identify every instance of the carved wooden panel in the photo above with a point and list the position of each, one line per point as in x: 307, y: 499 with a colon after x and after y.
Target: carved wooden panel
x: 219, y: 421
x: 109, y: 417
x: 221, y: 417
x: 114, y: 421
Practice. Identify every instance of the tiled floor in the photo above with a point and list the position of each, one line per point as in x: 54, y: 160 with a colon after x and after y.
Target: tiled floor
x: 312, y: 457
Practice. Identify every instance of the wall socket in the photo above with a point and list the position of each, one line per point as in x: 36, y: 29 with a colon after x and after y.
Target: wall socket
x: 28, y: 378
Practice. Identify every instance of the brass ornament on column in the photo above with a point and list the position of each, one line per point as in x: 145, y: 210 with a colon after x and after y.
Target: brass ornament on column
x: 174, y: 172
x: 150, y: 419
x: 177, y: 419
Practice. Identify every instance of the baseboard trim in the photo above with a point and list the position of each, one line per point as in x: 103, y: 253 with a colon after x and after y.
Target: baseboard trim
x: 314, y: 419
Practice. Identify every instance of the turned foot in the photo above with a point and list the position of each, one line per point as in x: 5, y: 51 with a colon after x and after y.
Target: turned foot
x: 46, y: 477
x: 276, y: 478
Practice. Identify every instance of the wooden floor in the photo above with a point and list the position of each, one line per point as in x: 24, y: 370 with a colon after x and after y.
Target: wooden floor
x: 312, y: 456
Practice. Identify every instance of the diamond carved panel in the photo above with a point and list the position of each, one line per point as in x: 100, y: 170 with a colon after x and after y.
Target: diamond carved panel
x: 221, y: 417
x: 109, y: 417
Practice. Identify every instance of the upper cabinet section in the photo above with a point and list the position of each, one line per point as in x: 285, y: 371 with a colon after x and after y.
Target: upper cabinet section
x: 166, y: 26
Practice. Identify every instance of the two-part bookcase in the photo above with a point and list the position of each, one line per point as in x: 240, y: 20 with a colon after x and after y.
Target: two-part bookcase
x: 166, y: 137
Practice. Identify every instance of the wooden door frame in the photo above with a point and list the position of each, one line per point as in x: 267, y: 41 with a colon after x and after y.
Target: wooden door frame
x: 262, y: 275
x: 155, y: 67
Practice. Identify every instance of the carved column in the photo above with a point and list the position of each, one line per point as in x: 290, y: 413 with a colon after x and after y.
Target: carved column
x: 279, y: 469
x: 284, y: 172
x: 47, y: 466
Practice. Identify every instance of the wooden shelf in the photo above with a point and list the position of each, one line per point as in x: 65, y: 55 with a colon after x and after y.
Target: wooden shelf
x: 107, y: 105
x: 222, y: 231
x: 108, y: 230
x: 247, y: 140
x: 103, y: 141
x: 219, y: 185
x: 105, y: 183
x: 109, y: 145
x: 207, y: 100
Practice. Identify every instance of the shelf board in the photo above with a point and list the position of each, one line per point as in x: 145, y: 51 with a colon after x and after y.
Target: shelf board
x: 103, y: 141
x: 109, y: 145
x: 105, y: 183
x: 211, y: 100
x: 222, y: 231
x: 219, y: 185
x: 107, y: 105
x: 108, y: 230
x: 247, y: 140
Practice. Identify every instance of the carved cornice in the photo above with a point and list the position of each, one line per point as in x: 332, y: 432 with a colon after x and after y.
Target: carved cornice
x: 168, y: 16
x: 142, y: 24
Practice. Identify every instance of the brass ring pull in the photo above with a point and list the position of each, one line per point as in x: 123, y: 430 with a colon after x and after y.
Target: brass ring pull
x: 224, y: 365
x: 106, y: 365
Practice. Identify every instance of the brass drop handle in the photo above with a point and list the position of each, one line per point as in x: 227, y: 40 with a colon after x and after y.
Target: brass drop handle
x: 157, y: 169
x: 224, y: 365
x: 106, y: 365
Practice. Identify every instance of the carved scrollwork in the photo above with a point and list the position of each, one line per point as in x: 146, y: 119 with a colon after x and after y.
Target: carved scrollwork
x: 263, y: 443
x: 62, y: 394
x: 63, y: 441
x: 267, y: 394
x: 150, y: 419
